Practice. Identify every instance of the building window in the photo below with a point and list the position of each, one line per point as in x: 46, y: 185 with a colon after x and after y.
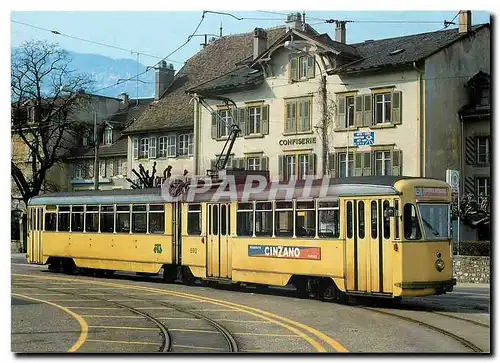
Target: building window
x: 483, y: 150
x: 382, y: 163
x: 118, y: 166
x: 382, y: 108
x: 254, y: 118
x: 342, y: 165
x: 302, y: 67
x: 77, y: 171
x: 297, y: 166
x: 108, y: 136
x: 298, y: 115
x: 87, y: 138
x: 102, y: 168
x: 484, y: 99
x: 483, y: 186
x: 253, y: 163
x: 144, y: 148
x: 224, y: 122
x: 349, y: 116
x: 186, y: 144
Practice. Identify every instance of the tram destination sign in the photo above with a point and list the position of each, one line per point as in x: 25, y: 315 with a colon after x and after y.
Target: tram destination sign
x: 294, y: 252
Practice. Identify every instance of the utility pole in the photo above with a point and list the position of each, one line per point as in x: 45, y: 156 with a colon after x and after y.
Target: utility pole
x: 325, y: 125
x: 96, y: 154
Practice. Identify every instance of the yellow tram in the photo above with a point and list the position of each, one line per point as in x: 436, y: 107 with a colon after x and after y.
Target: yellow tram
x: 380, y: 236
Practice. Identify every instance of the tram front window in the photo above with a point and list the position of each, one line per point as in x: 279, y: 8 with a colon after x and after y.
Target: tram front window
x: 435, y: 220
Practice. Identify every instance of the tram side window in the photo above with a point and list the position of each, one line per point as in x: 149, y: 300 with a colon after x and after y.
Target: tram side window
x: 328, y: 220
x: 244, y: 219
x: 374, y: 218
x: 194, y: 220
x: 92, y: 218
x: 50, y: 221
x: 77, y: 219
x: 139, y: 217
x: 156, y: 219
x: 349, y: 219
x: 305, y: 219
x: 361, y: 219
x: 411, y: 226
x: 122, y: 219
x: 284, y: 219
x: 387, y: 221
x: 107, y: 218
x: 264, y: 219
x: 63, y: 219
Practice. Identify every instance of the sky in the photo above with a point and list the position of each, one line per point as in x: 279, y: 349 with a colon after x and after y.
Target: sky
x: 158, y: 33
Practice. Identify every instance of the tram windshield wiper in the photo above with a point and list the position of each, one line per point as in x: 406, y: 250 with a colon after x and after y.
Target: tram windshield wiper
x: 431, y: 227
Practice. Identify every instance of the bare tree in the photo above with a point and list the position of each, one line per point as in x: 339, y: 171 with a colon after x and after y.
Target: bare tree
x: 43, y: 118
x: 145, y: 180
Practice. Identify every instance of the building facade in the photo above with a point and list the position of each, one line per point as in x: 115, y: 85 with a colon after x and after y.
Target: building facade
x: 310, y: 105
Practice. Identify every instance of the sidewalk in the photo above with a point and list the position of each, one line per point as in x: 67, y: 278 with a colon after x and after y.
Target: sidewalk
x: 471, y: 284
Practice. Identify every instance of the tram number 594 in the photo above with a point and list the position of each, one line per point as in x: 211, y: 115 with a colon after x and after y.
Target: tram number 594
x: 193, y: 250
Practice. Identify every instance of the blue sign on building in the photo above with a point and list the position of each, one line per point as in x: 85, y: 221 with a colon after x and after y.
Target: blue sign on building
x: 364, y: 138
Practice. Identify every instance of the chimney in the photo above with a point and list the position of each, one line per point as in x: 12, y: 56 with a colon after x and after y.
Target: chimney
x: 464, y: 21
x: 340, y: 31
x: 259, y: 42
x: 293, y: 21
x: 163, y: 78
x: 124, y: 97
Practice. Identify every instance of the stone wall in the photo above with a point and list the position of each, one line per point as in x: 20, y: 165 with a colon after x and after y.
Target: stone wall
x: 16, y: 247
x: 471, y: 269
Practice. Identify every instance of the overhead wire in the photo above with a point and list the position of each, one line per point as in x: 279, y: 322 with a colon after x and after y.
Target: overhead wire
x: 56, y: 32
x: 159, y: 62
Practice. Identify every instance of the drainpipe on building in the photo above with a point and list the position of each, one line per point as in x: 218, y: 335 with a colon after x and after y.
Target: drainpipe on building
x: 421, y: 141
x: 325, y: 125
x: 196, y: 134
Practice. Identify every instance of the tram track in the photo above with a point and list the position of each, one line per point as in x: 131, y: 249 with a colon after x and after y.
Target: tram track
x: 465, y: 342
x: 166, y: 335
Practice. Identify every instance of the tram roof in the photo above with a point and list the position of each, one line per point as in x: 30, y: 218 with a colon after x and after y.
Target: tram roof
x: 352, y: 186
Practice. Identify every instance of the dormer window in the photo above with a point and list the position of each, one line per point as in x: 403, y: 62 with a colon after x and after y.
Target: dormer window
x: 302, y: 68
x: 87, y: 138
x: 108, y: 136
x: 484, y: 99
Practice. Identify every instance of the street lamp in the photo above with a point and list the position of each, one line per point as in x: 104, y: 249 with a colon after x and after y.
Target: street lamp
x: 303, y: 47
x: 96, y: 143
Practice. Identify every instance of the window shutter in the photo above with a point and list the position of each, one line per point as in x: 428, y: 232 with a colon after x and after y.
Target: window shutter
x: 367, y: 161
x: 340, y: 112
x: 110, y: 167
x: 293, y: 69
x: 367, y: 110
x: 281, y: 167
x: 358, y: 114
x: 311, y: 165
x: 310, y: 67
x: 265, y: 120
x: 469, y: 187
x: 470, y: 150
x: 264, y: 163
x: 291, y: 117
x: 332, y: 164
x: 396, y: 162
x: 396, y: 107
x: 247, y: 121
x: 152, y: 147
x: 136, y: 147
x: 358, y: 168
x: 241, y: 120
x: 124, y: 167
x: 214, y: 125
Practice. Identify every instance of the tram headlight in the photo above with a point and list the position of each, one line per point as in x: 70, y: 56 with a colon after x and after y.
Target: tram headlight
x: 439, y: 265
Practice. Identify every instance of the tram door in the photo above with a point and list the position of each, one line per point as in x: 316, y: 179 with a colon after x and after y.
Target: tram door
x: 357, y: 235
x: 36, y: 226
x: 218, y: 253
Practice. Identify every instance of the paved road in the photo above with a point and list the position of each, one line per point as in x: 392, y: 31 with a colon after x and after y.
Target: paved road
x: 259, y: 320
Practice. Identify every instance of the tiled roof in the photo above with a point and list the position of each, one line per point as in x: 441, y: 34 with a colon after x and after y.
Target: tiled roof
x: 119, y: 148
x: 133, y: 111
x: 376, y: 54
x: 173, y: 110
